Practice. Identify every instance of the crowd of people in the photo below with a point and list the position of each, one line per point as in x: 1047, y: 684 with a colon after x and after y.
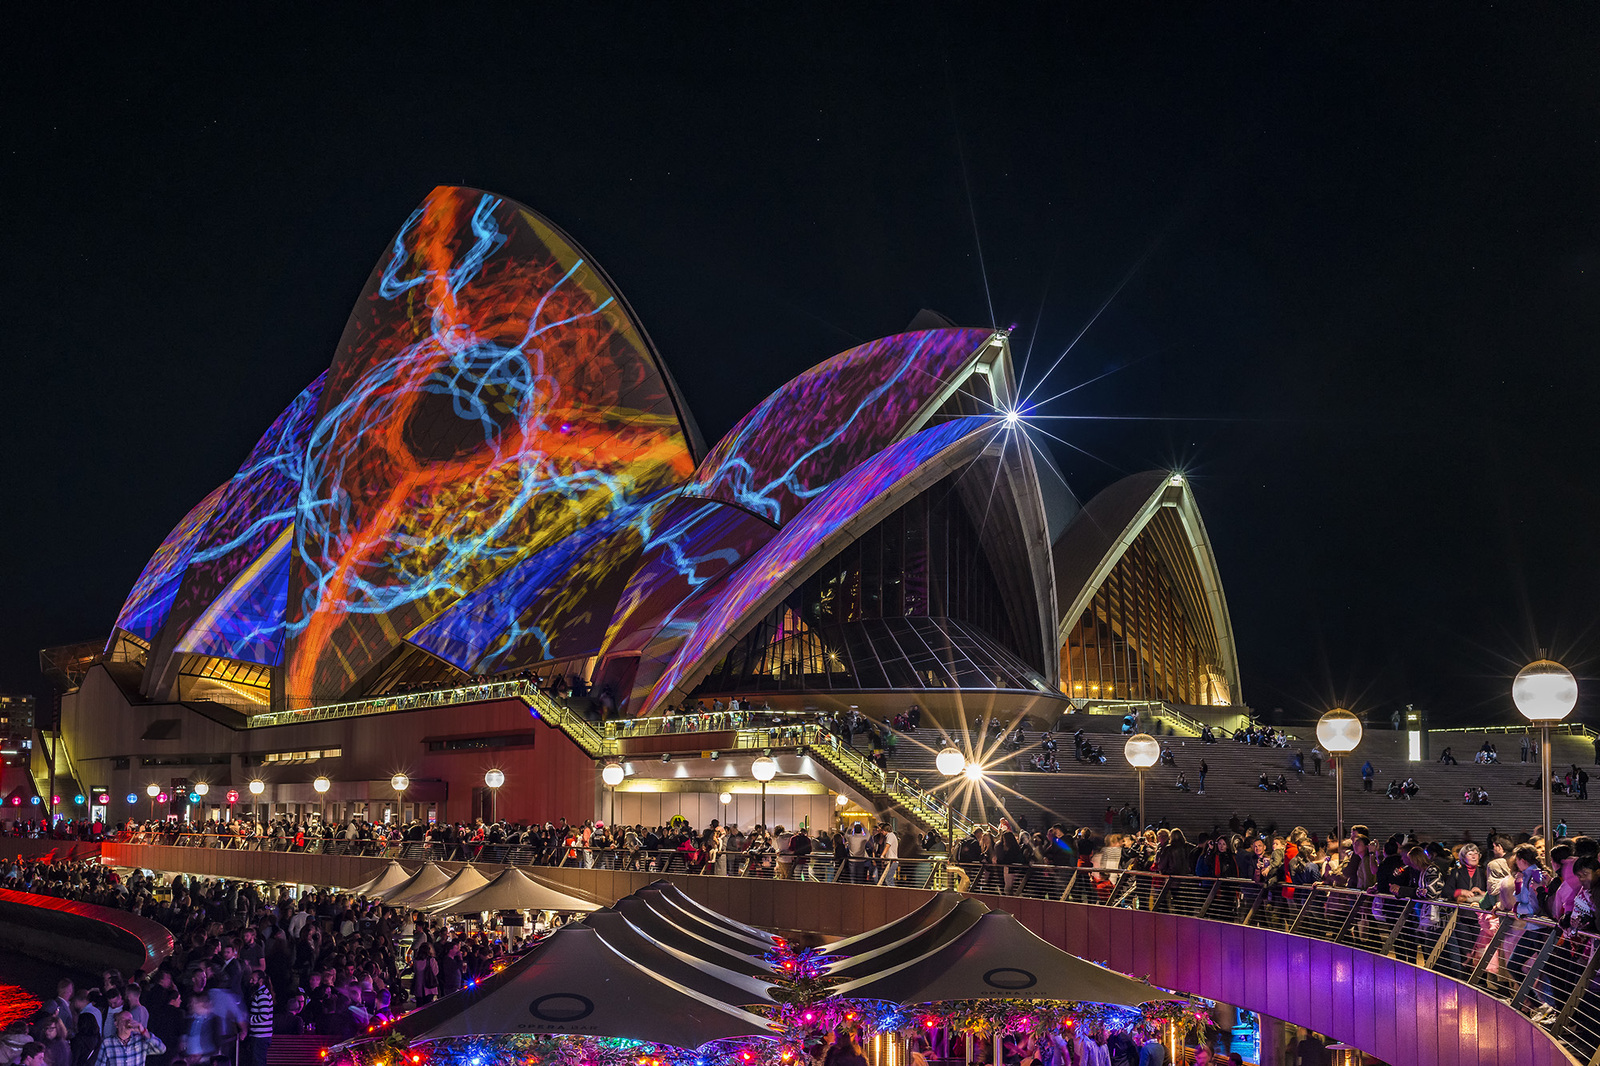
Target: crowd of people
x: 249, y: 965
x: 246, y: 967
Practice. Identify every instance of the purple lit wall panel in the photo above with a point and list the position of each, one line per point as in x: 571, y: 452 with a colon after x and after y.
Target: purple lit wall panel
x: 1365, y: 1028
x: 1446, y: 1021
x: 1468, y: 1026
x: 780, y: 559
x: 814, y: 429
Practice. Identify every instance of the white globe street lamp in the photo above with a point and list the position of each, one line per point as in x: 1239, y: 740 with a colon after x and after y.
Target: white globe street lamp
x: 1142, y: 751
x: 1338, y: 731
x: 257, y: 787
x: 399, y: 782
x: 152, y: 790
x: 764, y: 769
x: 493, y: 780
x: 1545, y: 691
x: 949, y: 762
x: 322, y: 784
x: 611, y: 774
x: 201, y: 788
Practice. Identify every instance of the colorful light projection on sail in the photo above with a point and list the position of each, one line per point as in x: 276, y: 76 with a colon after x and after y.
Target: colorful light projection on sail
x: 490, y: 398
x: 145, y: 610
x: 811, y: 431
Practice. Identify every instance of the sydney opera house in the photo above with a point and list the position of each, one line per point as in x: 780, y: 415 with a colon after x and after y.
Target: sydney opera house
x: 497, y: 479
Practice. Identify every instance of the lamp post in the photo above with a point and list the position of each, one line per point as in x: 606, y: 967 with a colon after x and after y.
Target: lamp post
x: 152, y: 790
x: 492, y: 781
x: 764, y: 769
x: 1545, y: 692
x: 200, y: 789
x: 950, y: 762
x: 322, y: 784
x: 399, y: 782
x: 612, y: 774
x: 1338, y: 731
x: 1142, y: 751
x: 257, y: 787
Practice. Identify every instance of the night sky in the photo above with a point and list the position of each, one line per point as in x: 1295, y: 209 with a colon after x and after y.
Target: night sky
x: 1360, y: 247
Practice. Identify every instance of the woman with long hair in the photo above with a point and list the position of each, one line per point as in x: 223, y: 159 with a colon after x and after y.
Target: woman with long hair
x: 425, y: 976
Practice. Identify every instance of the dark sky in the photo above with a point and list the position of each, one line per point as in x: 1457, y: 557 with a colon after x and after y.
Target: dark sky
x: 1362, y: 251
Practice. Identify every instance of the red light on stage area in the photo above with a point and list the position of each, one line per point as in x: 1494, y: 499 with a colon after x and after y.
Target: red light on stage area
x: 102, y: 800
x: 233, y: 795
x: 56, y: 800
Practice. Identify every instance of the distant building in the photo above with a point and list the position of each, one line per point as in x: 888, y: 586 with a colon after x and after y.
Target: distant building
x: 16, y: 731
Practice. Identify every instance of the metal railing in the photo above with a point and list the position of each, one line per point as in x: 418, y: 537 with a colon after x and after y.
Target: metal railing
x: 1543, y: 970
x: 926, y: 871
x: 404, y: 701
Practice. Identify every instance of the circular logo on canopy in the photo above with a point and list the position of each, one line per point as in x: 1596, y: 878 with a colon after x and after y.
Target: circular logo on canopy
x: 563, y: 1007
x: 1009, y: 978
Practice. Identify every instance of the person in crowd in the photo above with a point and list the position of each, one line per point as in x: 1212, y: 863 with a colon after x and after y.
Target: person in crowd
x: 131, y: 1044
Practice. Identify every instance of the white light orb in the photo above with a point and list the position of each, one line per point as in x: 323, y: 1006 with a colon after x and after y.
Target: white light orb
x: 257, y: 787
x: 152, y: 791
x: 399, y: 782
x: 974, y: 771
x: 950, y: 761
x: 200, y: 788
x: 725, y: 799
x: 611, y: 774
x: 494, y: 778
x: 1545, y: 691
x: 764, y: 769
x: 1142, y: 750
x: 1339, y: 731
x: 841, y: 799
x: 322, y: 784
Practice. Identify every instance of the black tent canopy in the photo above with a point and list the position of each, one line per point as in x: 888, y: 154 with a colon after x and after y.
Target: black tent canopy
x: 953, y: 923
x: 720, y: 935
x: 691, y: 972
x: 999, y: 958
x: 706, y: 914
x: 930, y: 912
x: 657, y: 927
x: 576, y: 983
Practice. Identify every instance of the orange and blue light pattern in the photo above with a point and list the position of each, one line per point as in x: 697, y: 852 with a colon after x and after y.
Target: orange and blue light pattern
x: 490, y: 398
